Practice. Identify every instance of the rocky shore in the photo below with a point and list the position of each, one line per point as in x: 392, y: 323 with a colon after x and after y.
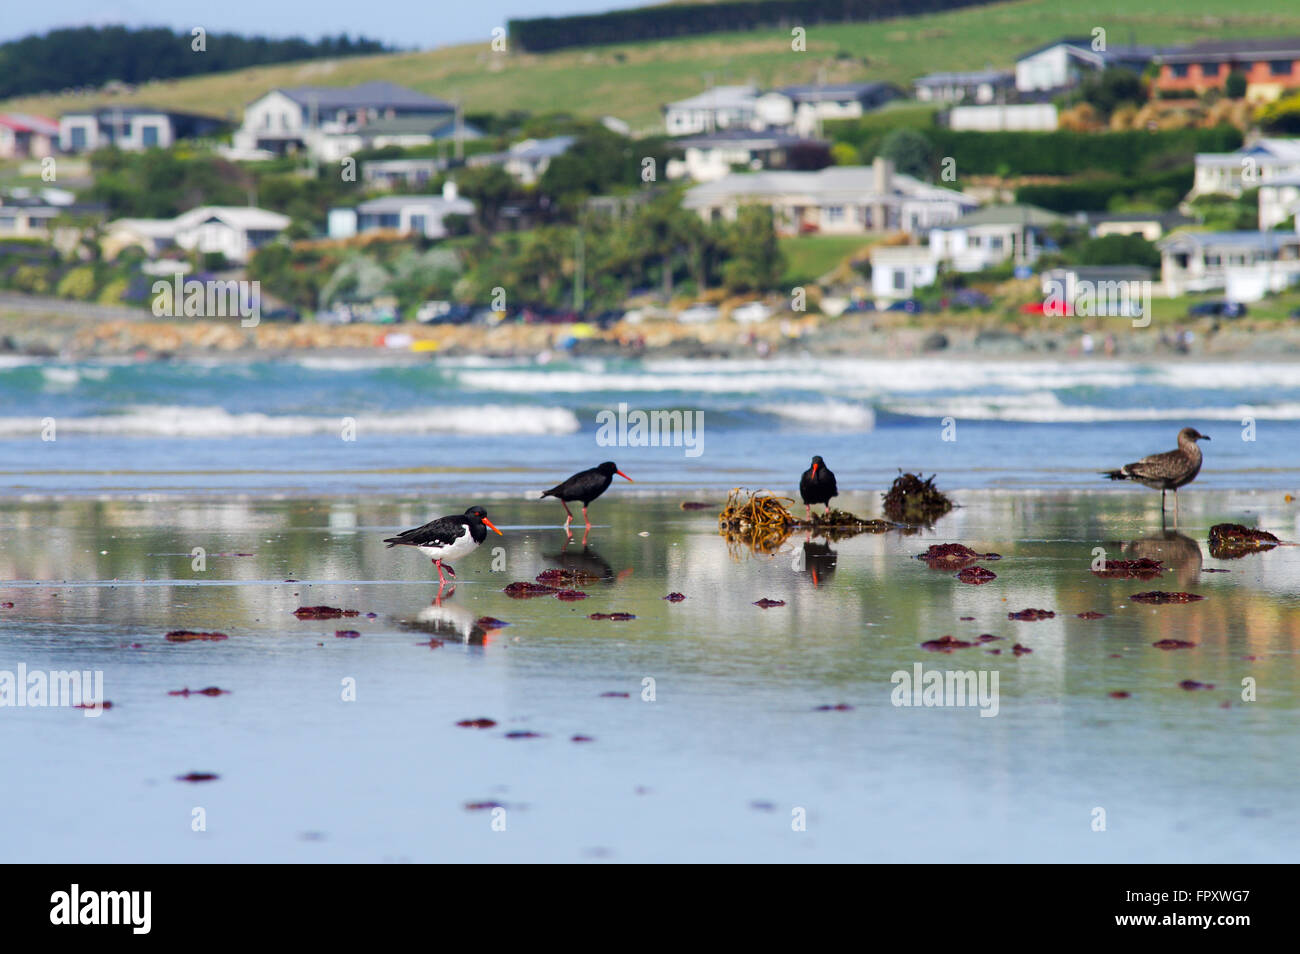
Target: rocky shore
x: 50, y: 329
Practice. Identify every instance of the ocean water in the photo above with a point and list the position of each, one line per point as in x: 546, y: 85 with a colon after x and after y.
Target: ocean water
x: 499, y: 427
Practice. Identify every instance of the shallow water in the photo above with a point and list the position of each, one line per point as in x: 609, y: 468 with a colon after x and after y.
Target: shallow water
x: 731, y: 752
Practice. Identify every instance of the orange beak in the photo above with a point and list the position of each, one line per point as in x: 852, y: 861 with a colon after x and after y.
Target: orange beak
x: 491, y: 526
x: 814, y: 473
x: 624, y: 476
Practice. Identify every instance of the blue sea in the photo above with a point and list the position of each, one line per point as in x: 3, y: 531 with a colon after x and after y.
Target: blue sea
x: 499, y: 427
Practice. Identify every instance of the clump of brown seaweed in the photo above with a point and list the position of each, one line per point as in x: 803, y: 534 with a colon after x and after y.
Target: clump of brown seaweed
x: 759, y: 520
x: 953, y: 556
x: 1231, y: 541
x: 913, y: 500
x: 1139, y: 569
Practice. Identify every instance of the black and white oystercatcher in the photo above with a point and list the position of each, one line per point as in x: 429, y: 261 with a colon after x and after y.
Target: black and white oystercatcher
x: 1167, y: 471
x: 586, y: 486
x: 817, y: 486
x: 447, y: 537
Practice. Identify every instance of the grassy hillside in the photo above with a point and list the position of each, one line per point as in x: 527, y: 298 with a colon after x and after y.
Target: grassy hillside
x: 632, y: 81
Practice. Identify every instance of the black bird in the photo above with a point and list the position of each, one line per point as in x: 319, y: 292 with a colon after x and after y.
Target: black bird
x: 586, y: 486
x: 1167, y: 471
x: 817, y: 486
x: 447, y: 537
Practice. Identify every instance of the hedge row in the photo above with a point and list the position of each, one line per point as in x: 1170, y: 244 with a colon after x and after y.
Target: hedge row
x: 1164, y: 189
x: 664, y: 22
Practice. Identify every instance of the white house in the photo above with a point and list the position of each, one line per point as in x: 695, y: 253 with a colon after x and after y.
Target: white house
x: 26, y: 136
x: 1231, y: 173
x: 422, y: 215
x: 233, y: 231
x: 722, y: 107
x: 526, y: 161
x: 1064, y: 63
x: 978, y: 87
x: 1279, y: 201
x: 996, y: 117
x: 1246, y: 265
x: 709, y: 157
x: 897, y: 271
x: 802, y: 109
x: 837, y: 200
x: 993, y: 235
x: 329, y: 120
x: 131, y: 128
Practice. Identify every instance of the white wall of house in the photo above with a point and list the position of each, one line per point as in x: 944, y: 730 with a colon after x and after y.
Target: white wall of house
x: 898, y: 271
x: 1025, y: 117
x: 1278, y: 204
x: 1046, y: 69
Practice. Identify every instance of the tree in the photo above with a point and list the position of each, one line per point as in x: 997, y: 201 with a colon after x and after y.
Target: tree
x: 1119, y: 250
x: 755, y: 261
x: 909, y: 150
x: 1107, y: 90
x: 1234, y: 87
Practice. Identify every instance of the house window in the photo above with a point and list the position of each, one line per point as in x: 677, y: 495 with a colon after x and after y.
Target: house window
x: 417, y: 224
x: 149, y: 135
x: 1279, y: 67
x: 1210, y: 69
x: 835, y: 213
x: 78, y: 137
x: 900, y: 279
x: 1178, y: 69
x: 995, y: 243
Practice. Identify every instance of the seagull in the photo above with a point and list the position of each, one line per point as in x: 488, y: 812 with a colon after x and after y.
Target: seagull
x: 817, y: 486
x: 1167, y: 471
x: 447, y: 537
x: 586, y: 486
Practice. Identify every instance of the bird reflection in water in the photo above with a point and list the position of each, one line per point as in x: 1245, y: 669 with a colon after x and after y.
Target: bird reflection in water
x: 819, y: 561
x: 1178, y: 552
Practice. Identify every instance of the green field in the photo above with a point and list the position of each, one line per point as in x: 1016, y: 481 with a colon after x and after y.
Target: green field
x: 809, y: 257
x: 632, y: 81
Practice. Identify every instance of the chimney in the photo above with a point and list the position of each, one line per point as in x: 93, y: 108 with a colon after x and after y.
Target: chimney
x: 882, y: 174
x: 449, y: 191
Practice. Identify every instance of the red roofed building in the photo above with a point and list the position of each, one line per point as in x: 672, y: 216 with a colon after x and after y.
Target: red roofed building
x: 24, y: 136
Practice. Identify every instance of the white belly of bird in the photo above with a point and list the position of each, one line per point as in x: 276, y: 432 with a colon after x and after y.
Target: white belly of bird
x: 450, y: 551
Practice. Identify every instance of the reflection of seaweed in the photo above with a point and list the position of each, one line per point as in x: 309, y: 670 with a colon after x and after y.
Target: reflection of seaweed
x: 838, y: 524
x: 1231, y: 541
x: 759, y: 521
x: 914, y: 500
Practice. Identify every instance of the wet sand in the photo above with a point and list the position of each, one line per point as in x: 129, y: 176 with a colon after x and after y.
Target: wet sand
x: 744, y: 733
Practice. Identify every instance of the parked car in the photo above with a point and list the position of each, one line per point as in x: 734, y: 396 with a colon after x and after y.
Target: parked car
x: 970, y: 298
x: 750, y: 312
x: 1217, y: 308
x: 698, y: 314
x: 607, y: 318
x: 910, y: 305
x: 432, y: 311
x: 339, y: 314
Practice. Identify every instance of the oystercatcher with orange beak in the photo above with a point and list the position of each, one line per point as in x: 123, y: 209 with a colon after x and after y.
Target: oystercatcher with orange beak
x: 817, y: 486
x: 586, y: 486
x: 447, y: 537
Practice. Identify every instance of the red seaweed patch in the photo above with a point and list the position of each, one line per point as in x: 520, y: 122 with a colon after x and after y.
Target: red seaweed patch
x: 1020, y: 650
x: 346, y: 634
x: 945, y: 644
x: 523, y: 590
x: 209, y: 691
x: 953, y: 556
x: 323, y: 612
x: 986, y: 638
x: 1091, y: 614
x: 482, y: 806
x: 94, y: 705
x: 570, y: 596
x: 1172, y: 644
x: 476, y: 723
x: 765, y: 603
x: 615, y: 695
x: 1032, y: 615
x: 559, y: 577
x: 1140, y: 569
x: 582, y: 738
x: 1119, y: 694
x: 614, y: 616
x: 674, y: 597
x: 189, y: 636
x: 1161, y: 596
x: 198, y: 777
x: 838, y: 707
x: 976, y: 575
x: 1231, y: 541
x: 523, y: 734
x: 1191, y: 685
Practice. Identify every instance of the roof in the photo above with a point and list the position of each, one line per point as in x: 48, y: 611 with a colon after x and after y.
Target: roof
x: 1286, y: 149
x: 1168, y: 220
x: 1101, y: 273
x: 529, y: 150
x: 1255, y: 48
x: 1014, y: 214
x: 379, y: 94
x: 744, y: 137
x: 719, y: 97
x: 1262, y: 241
x: 112, y: 112
x: 24, y: 122
x: 845, y: 183
x: 964, y: 79
x: 1082, y: 47
x: 434, y: 203
x: 1292, y: 180
x: 834, y: 92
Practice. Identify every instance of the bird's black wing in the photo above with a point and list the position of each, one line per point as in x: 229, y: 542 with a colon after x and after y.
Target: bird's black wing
x: 444, y: 531
x: 831, y: 486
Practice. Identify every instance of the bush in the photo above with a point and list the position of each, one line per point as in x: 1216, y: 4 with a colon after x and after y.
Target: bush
x: 1234, y: 87
x: 78, y: 284
x: 910, y: 151
x: 1119, y: 250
